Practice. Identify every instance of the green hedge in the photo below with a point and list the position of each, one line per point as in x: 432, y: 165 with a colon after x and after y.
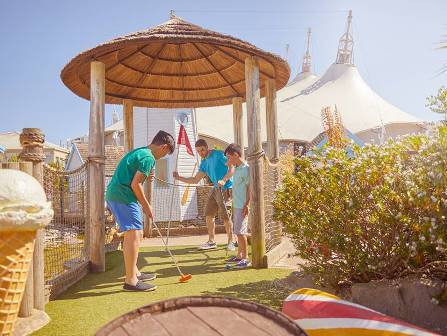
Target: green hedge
x: 379, y: 213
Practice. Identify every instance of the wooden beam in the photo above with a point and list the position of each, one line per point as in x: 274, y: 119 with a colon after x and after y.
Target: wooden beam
x: 128, y: 124
x: 257, y: 215
x: 96, y: 167
x: 272, y: 120
x: 238, y: 128
x: 213, y: 66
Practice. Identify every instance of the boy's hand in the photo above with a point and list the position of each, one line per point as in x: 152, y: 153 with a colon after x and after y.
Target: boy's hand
x: 245, y: 211
x: 148, y: 211
x: 221, y: 183
x: 175, y: 175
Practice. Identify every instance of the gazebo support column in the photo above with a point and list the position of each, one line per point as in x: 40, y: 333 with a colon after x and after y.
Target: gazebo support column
x: 255, y: 158
x: 272, y: 120
x: 237, y: 123
x: 96, y: 167
x: 128, y: 124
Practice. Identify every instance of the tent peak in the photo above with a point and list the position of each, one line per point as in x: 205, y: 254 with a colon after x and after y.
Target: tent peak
x: 307, y: 58
x: 346, y: 44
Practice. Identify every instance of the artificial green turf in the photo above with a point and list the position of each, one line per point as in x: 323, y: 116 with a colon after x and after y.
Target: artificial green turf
x: 98, y: 298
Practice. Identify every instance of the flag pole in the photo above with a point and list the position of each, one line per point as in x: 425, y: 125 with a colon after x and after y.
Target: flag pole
x: 186, y: 192
x: 174, y: 185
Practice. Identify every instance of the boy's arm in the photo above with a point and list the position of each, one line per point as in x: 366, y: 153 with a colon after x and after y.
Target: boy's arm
x: 190, y: 180
x: 137, y: 188
x: 227, y: 176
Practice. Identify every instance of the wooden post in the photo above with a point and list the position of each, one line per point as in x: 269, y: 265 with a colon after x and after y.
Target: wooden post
x: 257, y: 216
x: 96, y: 227
x: 32, y: 140
x: 238, y: 128
x: 272, y: 120
x: 128, y: 124
x: 147, y: 225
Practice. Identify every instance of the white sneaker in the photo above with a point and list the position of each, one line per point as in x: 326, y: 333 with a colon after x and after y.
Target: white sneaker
x: 231, y: 247
x: 208, y: 246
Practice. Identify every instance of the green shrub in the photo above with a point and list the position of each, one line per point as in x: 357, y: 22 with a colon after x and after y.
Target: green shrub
x: 377, y: 214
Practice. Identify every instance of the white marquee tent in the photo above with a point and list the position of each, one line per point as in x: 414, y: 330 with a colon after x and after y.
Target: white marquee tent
x: 363, y: 111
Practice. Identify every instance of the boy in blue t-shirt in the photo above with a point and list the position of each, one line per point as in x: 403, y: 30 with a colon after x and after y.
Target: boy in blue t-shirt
x: 214, y: 164
x: 241, y: 201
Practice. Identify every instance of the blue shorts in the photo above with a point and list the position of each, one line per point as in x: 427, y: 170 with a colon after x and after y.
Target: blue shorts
x: 128, y: 216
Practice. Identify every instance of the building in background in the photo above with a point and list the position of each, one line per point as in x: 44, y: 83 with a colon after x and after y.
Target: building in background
x: 11, y: 148
x: 79, y: 154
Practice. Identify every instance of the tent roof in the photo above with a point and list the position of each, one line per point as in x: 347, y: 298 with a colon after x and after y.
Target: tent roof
x: 220, y: 125
x: 300, y: 103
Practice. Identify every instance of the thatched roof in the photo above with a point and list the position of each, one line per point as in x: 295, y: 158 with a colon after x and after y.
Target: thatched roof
x: 175, y: 64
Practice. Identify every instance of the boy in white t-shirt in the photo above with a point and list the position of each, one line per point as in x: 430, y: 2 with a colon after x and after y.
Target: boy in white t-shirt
x: 241, y: 200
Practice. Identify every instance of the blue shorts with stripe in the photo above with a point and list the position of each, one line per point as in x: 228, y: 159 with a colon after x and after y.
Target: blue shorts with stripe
x: 128, y: 216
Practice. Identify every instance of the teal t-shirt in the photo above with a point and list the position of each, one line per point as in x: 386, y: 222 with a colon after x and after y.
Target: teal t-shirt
x: 119, y: 188
x: 241, y: 179
x: 215, y: 166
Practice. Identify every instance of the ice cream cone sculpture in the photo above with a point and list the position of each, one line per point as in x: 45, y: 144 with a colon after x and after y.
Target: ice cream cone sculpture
x: 23, y: 210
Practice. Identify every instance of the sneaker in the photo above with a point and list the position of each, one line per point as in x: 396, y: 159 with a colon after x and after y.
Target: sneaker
x: 231, y: 247
x: 146, y: 276
x: 208, y: 246
x: 233, y: 259
x: 244, y: 263
x: 139, y: 287
x: 235, y: 244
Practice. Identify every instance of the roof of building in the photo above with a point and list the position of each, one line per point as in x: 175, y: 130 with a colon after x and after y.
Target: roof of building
x: 113, y: 155
x: 11, y: 141
x: 117, y: 126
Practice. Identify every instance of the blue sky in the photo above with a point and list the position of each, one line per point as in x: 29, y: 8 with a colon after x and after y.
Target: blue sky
x: 396, y: 47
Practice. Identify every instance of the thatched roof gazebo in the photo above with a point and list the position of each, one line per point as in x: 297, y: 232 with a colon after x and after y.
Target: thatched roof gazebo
x: 177, y: 65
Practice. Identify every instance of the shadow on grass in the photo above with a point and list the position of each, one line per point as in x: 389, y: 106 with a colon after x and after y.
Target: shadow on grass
x: 264, y: 292
x: 157, y: 261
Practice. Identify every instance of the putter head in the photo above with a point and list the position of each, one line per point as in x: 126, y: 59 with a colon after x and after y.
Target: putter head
x: 185, y: 277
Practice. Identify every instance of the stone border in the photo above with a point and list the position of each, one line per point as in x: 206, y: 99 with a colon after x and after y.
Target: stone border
x: 277, y: 253
x: 28, y: 325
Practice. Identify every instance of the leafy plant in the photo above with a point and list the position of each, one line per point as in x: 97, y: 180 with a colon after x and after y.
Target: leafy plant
x: 438, y: 103
x: 378, y: 213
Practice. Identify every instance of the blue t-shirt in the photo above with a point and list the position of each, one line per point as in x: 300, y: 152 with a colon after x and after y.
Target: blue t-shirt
x: 241, y: 180
x: 215, y: 166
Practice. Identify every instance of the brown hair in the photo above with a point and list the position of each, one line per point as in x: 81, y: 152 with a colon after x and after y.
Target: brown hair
x: 201, y: 143
x: 233, y: 149
x: 164, y: 138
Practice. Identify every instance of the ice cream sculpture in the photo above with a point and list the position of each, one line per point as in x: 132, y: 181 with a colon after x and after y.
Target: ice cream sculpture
x: 23, y: 210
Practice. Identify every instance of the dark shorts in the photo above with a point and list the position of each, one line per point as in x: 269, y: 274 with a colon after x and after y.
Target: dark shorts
x: 216, y: 203
x: 128, y: 216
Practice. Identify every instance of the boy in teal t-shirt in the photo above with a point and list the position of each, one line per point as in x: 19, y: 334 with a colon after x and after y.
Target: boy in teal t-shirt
x: 124, y: 197
x: 241, y: 201
x: 214, y: 164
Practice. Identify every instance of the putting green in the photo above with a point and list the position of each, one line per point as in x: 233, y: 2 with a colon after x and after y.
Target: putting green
x: 99, y: 298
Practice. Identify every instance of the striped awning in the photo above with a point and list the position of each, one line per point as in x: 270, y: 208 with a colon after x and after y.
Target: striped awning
x: 320, y: 313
